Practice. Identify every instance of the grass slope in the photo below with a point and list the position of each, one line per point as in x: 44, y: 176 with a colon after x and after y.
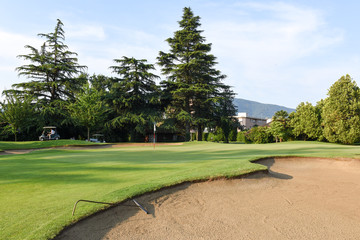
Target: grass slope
x: 38, y: 190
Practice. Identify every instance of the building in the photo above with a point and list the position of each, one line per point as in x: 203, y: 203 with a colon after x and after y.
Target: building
x: 248, y: 122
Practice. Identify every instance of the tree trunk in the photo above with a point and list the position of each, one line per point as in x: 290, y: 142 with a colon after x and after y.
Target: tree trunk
x: 88, y: 133
x: 187, y: 123
x: 187, y: 132
x: 199, y: 133
x: 15, y: 137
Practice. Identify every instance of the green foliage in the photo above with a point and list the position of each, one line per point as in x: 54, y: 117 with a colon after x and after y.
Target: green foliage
x: 279, y: 127
x: 18, y: 114
x: 341, y: 112
x: 193, y: 87
x: 224, y: 113
x: 233, y: 135
x: 241, y: 137
x: 217, y: 136
x: 205, y: 136
x: 259, y: 135
x: 88, y: 110
x: 54, y: 74
x: 306, y: 121
x: 134, y: 96
x: 53, y: 69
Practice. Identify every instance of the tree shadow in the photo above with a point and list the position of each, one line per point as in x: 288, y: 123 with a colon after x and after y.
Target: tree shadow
x: 269, y: 162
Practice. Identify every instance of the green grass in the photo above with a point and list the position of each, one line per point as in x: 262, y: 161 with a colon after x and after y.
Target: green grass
x: 39, y: 144
x: 38, y: 190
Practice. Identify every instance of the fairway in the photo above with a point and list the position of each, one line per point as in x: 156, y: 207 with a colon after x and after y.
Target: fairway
x: 38, y: 189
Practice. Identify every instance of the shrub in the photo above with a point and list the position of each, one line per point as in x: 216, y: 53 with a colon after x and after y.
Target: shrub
x: 241, y: 137
x: 259, y: 135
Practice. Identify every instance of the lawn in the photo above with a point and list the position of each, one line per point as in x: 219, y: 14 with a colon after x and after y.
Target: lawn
x: 38, y: 190
x: 39, y: 144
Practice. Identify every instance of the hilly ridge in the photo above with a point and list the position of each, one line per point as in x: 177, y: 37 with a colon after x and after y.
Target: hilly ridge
x: 258, y: 110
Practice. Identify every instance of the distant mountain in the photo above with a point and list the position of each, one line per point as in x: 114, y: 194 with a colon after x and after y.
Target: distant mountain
x: 259, y: 110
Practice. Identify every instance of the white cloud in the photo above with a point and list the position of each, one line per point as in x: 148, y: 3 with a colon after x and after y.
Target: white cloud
x: 295, y: 33
x: 261, y: 48
x: 12, y: 44
x: 98, y: 56
x: 89, y: 32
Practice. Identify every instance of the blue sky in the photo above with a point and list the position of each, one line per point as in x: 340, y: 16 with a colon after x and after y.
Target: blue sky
x: 279, y: 52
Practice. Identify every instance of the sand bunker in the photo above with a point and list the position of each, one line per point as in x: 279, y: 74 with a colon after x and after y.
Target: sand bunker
x: 9, y: 152
x: 299, y: 199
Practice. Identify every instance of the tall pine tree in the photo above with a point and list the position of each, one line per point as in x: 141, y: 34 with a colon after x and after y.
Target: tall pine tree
x: 193, y: 88
x: 134, y: 96
x: 54, y: 73
x: 53, y: 69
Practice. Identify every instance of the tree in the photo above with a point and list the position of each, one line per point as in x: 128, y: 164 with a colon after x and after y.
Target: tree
x: 341, y: 112
x: 306, y: 121
x: 53, y: 69
x: 279, y: 127
x: 134, y: 95
x: 17, y: 113
x: 55, y: 76
x: 101, y: 83
x: 193, y: 85
x: 88, y: 110
x: 259, y: 135
x: 224, y: 112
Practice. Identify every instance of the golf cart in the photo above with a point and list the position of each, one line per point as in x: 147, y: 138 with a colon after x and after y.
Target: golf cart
x: 49, y: 133
x: 97, y: 138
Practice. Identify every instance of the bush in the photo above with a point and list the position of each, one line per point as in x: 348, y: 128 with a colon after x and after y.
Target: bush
x: 211, y: 137
x: 259, y: 135
x: 217, y: 136
x: 233, y: 135
x: 205, y: 136
x: 241, y: 137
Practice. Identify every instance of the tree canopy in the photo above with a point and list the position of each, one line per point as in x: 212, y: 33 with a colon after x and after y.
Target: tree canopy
x: 306, y: 121
x: 17, y: 114
x: 341, y: 112
x: 191, y: 98
x: 88, y: 110
x: 134, y: 95
x: 193, y: 86
x: 52, y: 69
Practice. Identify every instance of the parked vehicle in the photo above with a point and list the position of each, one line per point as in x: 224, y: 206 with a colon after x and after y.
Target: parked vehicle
x: 49, y: 133
x: 97, y: 138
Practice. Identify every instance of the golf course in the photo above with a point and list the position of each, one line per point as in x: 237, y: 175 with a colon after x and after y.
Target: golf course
x: 39, y: 188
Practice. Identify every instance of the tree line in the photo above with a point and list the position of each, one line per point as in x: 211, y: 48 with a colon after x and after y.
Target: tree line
x: 334, y: 119
x: 191, y: 99
x: 123, y: 108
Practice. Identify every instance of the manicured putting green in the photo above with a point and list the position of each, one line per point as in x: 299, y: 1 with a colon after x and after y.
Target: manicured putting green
x: 39, y: 189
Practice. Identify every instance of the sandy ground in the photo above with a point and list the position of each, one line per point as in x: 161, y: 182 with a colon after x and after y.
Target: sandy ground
x: 299, y: 199
x: 20, y: 151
